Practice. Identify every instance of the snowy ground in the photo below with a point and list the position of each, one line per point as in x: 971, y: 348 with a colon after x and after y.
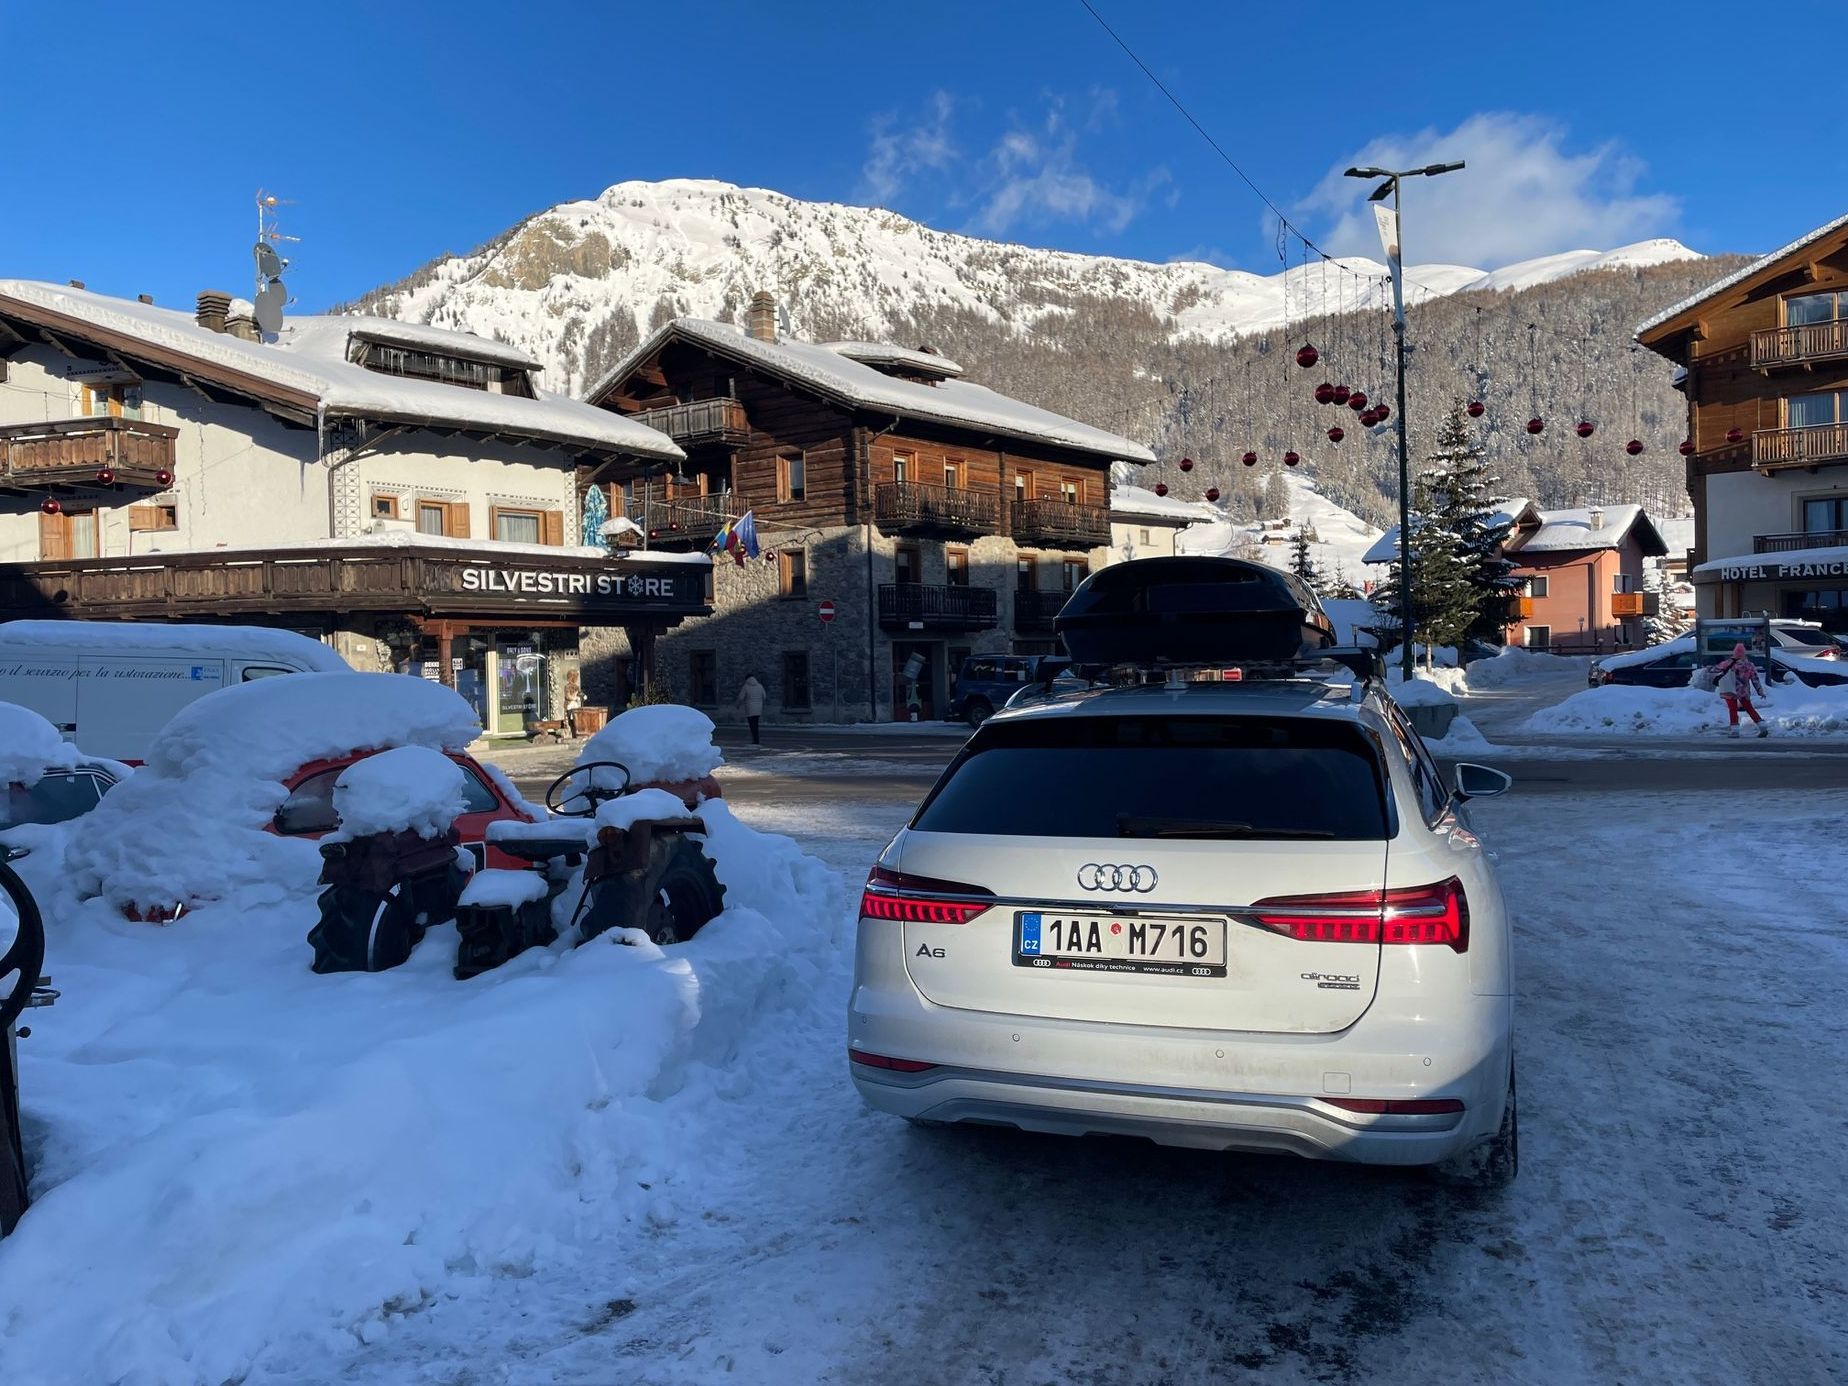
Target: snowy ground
x: 668, y: 1179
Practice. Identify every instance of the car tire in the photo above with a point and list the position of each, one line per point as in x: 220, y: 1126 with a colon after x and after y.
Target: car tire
x: 979, y: 711
x: 1494, y: 1164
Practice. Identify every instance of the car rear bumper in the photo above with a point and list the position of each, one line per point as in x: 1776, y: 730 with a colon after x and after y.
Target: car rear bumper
x: 1205, y: 1089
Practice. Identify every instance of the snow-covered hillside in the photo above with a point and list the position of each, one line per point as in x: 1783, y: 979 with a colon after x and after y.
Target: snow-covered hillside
x: 576, y: 283
x: 1337, y: 537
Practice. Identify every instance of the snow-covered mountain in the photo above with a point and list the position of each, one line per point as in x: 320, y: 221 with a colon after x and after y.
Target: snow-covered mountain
x: 1337, y: 537
x: 578, y: 284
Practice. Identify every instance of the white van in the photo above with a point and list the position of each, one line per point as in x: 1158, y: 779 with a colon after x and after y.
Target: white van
x: 110, y: 686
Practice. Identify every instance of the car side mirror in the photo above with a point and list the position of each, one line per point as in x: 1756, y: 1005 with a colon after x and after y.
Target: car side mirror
x: 1481, y: 781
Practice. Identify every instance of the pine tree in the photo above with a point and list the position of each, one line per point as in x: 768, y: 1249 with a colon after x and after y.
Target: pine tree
x: 1302, y: 562
x: 1339, y: 586
x: 1444, y: 594
x: 1669, y: 621
x: 1461, y: 492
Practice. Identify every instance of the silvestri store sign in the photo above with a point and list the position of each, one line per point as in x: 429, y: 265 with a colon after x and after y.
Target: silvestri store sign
x: 1770, y: 568
x: 679, y: 586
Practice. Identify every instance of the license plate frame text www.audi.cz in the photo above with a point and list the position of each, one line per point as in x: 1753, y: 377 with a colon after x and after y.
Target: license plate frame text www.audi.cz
x: 1153, y: 945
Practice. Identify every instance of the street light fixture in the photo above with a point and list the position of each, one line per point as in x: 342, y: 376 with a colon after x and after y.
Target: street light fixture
x: 1395, y: 262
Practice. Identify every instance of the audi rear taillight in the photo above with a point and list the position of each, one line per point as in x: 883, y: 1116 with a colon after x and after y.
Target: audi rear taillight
x: 860, y: 1056
x: 921, y: 899
x: 1377, y: 1106
x: 1405, y: 914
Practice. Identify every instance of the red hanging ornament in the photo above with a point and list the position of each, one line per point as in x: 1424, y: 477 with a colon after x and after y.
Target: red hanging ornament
x: 1161, y: 488
x: 1212, y: 492
x: 1250, y: 459
x: 163, y: 479
x: 1357, y: 401
x: 1335, y: 434
x: 1585, y: 428
x: 1341, y: 394
x: 1307, y: 357
x: 1535, y: 425
x: 1634, y: 447
x: 1187, y: 464
x: 1476, y: 409
x: 1686, y: 449
x: 1325, y: 393
x: 105, y: 477
x: 1290, y: 459
x: 1382, y: 412
x: 50, y: 506
x: 1734, y: 435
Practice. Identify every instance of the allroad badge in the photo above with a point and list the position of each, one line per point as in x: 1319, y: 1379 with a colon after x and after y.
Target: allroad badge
x: 1137, y: 879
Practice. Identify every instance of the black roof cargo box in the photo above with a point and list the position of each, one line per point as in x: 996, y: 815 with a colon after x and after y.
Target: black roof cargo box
x: 1190, y: 610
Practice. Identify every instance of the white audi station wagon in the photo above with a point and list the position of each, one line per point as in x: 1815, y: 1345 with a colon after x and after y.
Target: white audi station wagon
x: 1233, y: 909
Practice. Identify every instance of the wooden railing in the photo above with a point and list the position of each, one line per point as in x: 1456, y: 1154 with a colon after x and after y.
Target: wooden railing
x: 915, y: 505
x: 1050, y: 520
x: 1794, y: 346
x: 1034, y: 610
x: 702, y: 421
x: 1627, y: 604
x: 1801, y: 539
x: 1800, y: 447
x: 682, y: 517
x: 74, y: 452
x: 928, y: 604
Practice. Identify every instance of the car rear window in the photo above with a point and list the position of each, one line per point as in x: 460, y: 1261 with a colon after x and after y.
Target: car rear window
x: 1202, y: 777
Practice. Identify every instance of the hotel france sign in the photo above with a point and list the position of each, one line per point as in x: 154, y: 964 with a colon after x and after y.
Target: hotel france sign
x: 1770, y: 570
x: 590, y: 589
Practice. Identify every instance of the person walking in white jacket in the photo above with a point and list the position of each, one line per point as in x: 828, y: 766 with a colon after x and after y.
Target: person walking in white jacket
x: 751, y: 704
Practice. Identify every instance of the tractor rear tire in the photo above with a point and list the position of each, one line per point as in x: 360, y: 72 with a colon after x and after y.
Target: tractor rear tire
x: 670, y: 899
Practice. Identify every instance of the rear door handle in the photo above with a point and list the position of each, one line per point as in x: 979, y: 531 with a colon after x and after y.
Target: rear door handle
x: 67, y: 726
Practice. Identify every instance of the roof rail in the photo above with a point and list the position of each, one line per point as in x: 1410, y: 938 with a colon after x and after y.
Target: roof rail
x: 1362, y: 661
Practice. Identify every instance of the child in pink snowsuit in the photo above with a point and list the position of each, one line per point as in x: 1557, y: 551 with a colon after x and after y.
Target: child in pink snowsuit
x: 1736, y: 676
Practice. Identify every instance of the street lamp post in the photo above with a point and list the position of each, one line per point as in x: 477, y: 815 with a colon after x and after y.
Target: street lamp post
x: 1396, y: 263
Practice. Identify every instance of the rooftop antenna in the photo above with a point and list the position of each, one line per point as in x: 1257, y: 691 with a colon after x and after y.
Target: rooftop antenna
x: 270, y: 295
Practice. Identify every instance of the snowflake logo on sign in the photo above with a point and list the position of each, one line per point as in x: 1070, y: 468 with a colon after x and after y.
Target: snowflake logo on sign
x: 635, y: 587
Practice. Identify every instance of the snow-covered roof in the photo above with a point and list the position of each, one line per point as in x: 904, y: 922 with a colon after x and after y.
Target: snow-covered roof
x: 259, y: 643
x: 1720, y: 286
x: 308, y: 369
x: 1567, y: 531
x: 1385, y: 549
x: 424, y: 337
x: 959, y: 403
x: 1140, y: 501
x: 886, y: 354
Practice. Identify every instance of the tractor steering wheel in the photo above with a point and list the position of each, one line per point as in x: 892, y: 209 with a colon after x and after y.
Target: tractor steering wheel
x: 25, y: 955
x: 590, y: 795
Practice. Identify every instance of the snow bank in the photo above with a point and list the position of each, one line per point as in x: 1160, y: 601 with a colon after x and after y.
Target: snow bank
x: 1428, y: 688
x: 29, y: 746
x: 1792, y: 709
x: 190, y: 826
x: 408, y: 789
x: 1462, y: 738
x: 662, y: 742
x: 243, y: 1167
x: 1515, y: 665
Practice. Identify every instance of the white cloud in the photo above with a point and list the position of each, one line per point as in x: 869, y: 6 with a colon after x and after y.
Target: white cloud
x: 1035, y: 177
x: 1522, y: 195
x: 898, y: 155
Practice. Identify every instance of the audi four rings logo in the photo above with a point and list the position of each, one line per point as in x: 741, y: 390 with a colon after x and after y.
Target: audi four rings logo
x: 1140, y: 879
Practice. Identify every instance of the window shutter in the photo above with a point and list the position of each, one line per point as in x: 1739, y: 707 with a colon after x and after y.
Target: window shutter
x: 54, y: 537
x: 552, y: 527
x: 143, y: 517
x: 456, y: 523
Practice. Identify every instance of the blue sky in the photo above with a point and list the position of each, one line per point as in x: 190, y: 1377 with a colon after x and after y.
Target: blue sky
x: 407, y: 129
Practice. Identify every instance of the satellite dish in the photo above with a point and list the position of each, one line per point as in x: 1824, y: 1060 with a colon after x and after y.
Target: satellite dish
x: 269, y: 263
x: 783, y: 326
x: 269, y: 311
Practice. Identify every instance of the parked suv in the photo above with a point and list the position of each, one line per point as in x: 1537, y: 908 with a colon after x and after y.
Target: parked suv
x: 986, y: 682
x: 1242, y: 915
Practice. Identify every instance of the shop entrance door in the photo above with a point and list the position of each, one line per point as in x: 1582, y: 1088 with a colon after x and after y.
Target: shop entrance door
x: 518, y: 682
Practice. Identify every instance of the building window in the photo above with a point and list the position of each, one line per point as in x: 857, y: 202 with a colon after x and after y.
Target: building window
x: 792, y: 572
x: 147, y: 519
x: 1808, y: 308
x: 1827, y: 516
x: 69, y: 534
x: 1068, y: 492
x: 796, y: 680
x: 1026, y: 573
x: 791, y: 476
x: 953, y: 473
x: 1071, y: 573
x: 956, y: 567
x: 907, y: 564
x: 1813, y: 411
x: 1538, y: 637
x: 703, y: 677
x: 514, y: 526
x: 121, y: 401
x: 450, y: 370
x: 1023, y: 485
x: 443, y: 517
x: 901, y: 466
x: 384, y: 507
x: 1622, y: 583
x: 1537, y: 585
x: 1145, y: 536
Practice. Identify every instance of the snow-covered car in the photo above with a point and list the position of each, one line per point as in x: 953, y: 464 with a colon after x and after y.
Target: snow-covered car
x: 1237, y: 913
x: 43, y: 778
x: 239, y: 785
x: 1672, y: 663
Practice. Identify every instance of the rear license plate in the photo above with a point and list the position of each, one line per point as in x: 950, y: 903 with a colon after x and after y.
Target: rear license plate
x: 1112, y: 943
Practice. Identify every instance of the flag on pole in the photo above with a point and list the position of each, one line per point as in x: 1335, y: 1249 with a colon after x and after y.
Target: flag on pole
x: 742, y: 542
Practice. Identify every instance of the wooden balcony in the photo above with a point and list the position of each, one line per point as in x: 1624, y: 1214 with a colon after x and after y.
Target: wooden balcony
x: 702, y: 421
x: 1627, y: 604
x: 1524, y: 608
x: 1776, y: 448
x: 313, y: 583
x: 929, y: 606
x: 693, y: 519
x: 1036, y: 610
x: 86, y: 455
x: 1800, y: 539
x: 913, y: 507
x: 1060, y: 523
x: 1802, y: 346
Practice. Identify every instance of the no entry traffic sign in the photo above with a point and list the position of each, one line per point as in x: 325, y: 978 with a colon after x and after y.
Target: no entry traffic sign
x: 826, y: 612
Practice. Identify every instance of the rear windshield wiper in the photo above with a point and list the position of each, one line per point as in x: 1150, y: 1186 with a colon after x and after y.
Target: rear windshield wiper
x: 1131, y: 825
